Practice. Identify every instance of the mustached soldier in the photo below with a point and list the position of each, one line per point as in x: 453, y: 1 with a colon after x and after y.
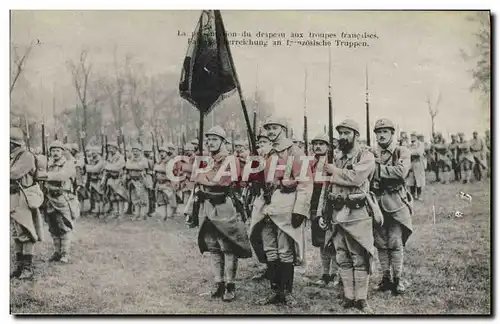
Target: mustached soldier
x: 165, y: 186
x: 388, y: 184
x: 63, y: 207
x: 352, y: 230
x: 277, y: 226
x: 327, y: 254
x: 25, y: 220
x: 138, y: 182
x: 222, y: 233
x: 115, y: 190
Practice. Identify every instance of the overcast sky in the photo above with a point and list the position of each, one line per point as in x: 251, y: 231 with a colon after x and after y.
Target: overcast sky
x: 416, y: 53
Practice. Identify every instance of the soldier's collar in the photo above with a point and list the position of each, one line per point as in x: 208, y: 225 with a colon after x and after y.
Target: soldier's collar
x: 282, y: 144
x: 60, y: 162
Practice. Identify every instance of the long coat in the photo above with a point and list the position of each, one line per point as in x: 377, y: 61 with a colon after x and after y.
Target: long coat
x: 416, y: 176
x: 283, y: 204
x: 116, y: 164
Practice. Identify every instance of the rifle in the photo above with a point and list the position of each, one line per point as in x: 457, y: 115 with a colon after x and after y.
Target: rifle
x: 152, y: 192
x: 129, y: 207
x: 232, y: 141
x: 106, y: 146
x: 306, y: 149
x: 27, y: 132
x: 86, y: 160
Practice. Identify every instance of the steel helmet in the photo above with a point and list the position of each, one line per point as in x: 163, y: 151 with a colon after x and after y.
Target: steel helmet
x: 320, y: 138
x: 349, y: 123
x: 384, y: 123
x: 217, y: 131
x: 55, y: 144
x: 273, y: 120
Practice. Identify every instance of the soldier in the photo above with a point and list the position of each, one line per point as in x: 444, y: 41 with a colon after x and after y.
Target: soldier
x: 453, y: 147
x: 116, y: 192
x: 62, y: 205
x: 404, y: 140
x: 277, y: 225
x: 416, y: 176
x: 138, y: 182
x: 465, y: 158
x: 186, y: 167
x: 94, y: 170
x: 444, y: 160
x: 351, y: 229
x: 222, y: 233
x: 24, y: 214
x: 329, y: 264
x: 488, y: 152
x: 478, y: 148
x: 195, y: 143
x: 393, y: 163
x: 421, y: 139
x: 81, y: 176
x: 165, y: 186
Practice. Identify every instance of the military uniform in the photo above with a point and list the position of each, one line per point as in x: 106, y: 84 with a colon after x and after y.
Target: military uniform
x: 166, y: 202
x: 138, y: 183
x: 186, y: 169
x: 444, y: 161
x: 63, y: 207
x: 453, y: 147
x: 478, y: 149
x: 24, y: 215
x: 327, y: 254
x: 221, y: 233
x: 352, y: 229
x: 278, y: 218
x: 465, y: 158
x: 115, y: 190
x: 416, y: 176
x: 388, y: 184
x: 488, y: 152
x: 94, y: 171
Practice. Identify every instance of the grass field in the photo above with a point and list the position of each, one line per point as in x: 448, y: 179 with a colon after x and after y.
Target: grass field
x: 151, y: 267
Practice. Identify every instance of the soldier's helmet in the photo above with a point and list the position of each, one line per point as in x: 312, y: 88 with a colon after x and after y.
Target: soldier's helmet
x: 113, y: 144
x: 320, y: 138
x: 414, y: 134
x: 162, y: 148
x: 349, y: 123
x: 239, y: 143
x: 461, y: 134
x: 137, y: 146
x: 189, y: 147
x: 68, y: 146
x: 383, y: 123
x: 274, y: 120
x: 57, y: 144
x: 148, y: 148
x: 170, y: 146
x: 217, y: 131
x: 75, y: 147
x: 16, y: 136
x: 194, y: 142
x: 263, y: 135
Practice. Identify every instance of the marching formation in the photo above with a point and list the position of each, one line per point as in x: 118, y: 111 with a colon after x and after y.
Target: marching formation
x: 359, y: 201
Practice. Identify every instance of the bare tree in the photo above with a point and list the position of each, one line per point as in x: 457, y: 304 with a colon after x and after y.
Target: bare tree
x: 17, y: 64
x: 433, y: 109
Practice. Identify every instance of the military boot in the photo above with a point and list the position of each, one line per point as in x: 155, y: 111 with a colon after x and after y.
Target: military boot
x: 363, y: 306
x: 65, y: 246
x: 18, y: 266
x: 347, y: 303
x: 385, y: 284
x: 27, y: 272
x: 218, y: 290
x: 274, y: 273
x: 287, y: 284
x: 229, y: 295
x: 398, y: 288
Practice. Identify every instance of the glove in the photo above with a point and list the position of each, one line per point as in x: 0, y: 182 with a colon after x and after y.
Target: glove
x: 322, y: 222
x: 297, y: 220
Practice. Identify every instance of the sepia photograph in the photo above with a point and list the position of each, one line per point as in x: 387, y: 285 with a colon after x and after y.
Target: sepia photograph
x: 250, y: 162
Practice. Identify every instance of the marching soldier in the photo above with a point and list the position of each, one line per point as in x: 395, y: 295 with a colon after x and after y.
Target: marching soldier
x: 327, y: 254
x: 478, y: 148
x: 116, y: 192
x: 444, y: 161
x: 453, y: 147
x: 393, y: 163
x: 165, y: 186
x: 138, y: 182
x: 222, y: 233
x: 94, y: 171
x: 62, y: 205
x: 277, y: 225
x: 416, y: 176
x: 24, y: 202
x: 351, y: 229
x: 465, y: 158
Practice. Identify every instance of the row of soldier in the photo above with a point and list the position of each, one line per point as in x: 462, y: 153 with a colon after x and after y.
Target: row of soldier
x: 341, y: 212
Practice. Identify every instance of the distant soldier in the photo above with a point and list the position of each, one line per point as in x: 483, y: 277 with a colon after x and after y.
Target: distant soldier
x: 453, y: 147
x: 63, y: 207
x: 393, y: 164
x: 488, y: 152
x: 81, y: 176
x: 94, y: 170
x: 222, y: 233
x: 427, y: 148
x: 444, y: 161
x: 416, y: 176
x: 24, y: 214
x: 279, y: 214
x: 138, y: 182
x: 116, y: 192
x: 187, y: 167
x: 351, y: 229
x: 241, y: 153
x: 478, y: 150
x: 404, y: 139
x: 195, y: 143
x: 327, y: 254
x: 437, y: 142
x: 465, y: 158
x: 165, y: 186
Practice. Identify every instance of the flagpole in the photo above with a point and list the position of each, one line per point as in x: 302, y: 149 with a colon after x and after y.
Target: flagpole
x: 367, y: 109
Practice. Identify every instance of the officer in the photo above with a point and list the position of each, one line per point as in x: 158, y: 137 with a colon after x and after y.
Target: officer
x: 416, y: 176
x: 278, y: 215
x: 25, y: 198
x: 351, y: 226
x: 393, y: 163
x: 328, y: 261
x: 138, y: 182
x: 63, y: 207
x: 222, y: 233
